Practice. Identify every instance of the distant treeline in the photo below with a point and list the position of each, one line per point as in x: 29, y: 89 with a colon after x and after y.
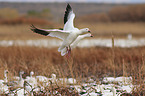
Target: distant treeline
x: 132, y: 13
x: 12, y: 16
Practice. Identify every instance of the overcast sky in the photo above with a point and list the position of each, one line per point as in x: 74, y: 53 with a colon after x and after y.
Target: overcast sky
x: 99, y: 1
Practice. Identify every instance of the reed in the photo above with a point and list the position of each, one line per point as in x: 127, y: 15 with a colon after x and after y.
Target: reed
x: 99, y: 30
x: 86, y: 62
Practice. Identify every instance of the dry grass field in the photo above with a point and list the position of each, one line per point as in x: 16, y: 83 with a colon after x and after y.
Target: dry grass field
x: 85, y: 61
x: 20, y: 32
x: 120, y: 29
x: 99, y: 30
x: 94, y: 62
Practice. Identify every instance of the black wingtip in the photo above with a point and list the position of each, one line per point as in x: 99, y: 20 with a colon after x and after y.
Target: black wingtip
x: 60, y: 28
x: 68, y: 9
x: 39, y: 31
x: 68, y: 6
x: 32, y: 26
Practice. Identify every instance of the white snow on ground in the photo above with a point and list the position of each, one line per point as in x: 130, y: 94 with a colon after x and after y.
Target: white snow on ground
x: 49, y: 43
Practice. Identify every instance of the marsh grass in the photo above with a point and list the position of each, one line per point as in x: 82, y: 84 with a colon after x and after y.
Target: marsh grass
x: 84, y: 62
x: 101, y: 30
x: 22, y: 31
x: 119, y: 29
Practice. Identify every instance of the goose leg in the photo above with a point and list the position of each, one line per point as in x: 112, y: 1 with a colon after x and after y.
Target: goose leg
x: 68, y: 51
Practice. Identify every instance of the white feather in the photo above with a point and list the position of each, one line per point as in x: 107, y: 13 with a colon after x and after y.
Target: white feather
x: 69, y: 24
x: 74, y: 44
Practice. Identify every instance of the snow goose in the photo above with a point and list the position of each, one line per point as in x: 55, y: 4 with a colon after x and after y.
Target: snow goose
x: 74, y: 44
x: 69, y: 32
x: 42, y: 78
x: 66, y: 81
x: 32, y: 82
x: 124, y: 80
x: 42, y: 81
x: 53, y: 79
x: 71, y: 81
x: 3, y: 87
x: 5, y: 75
x: 18, y: 82
x: 21, y: 80
x: 114, y: 91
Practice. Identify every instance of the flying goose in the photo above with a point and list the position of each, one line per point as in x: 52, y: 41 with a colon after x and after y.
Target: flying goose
x: 69, y: 32
x: 74, y: 44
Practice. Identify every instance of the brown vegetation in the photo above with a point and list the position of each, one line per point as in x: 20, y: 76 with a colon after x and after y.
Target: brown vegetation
x: 132, y: 13
x: 12, y: 16
x: 22, y: 31
x: 99, y: 30
x: 85, y: 62
x: 24, y: 20
x: 120, y: 30
x: 7, y: 13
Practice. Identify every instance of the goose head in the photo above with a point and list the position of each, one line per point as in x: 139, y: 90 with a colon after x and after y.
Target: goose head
x: 88, y: 35
x: 20, y: 75
x: 31, y: 73
x: 5, y: 71
x: 85, y: 30
x: 21, y: 72
x: 5, y: 75
x: 53, y: 77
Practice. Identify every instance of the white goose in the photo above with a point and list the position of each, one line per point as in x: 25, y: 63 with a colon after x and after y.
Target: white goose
x: 5, y: 75
x: 31, y: 81
x: 19, y: 79
x: 53, y: 78
x: 42, y: 81
x: 74, y: 44
x: 69, y: 32
x: 3, y: 87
